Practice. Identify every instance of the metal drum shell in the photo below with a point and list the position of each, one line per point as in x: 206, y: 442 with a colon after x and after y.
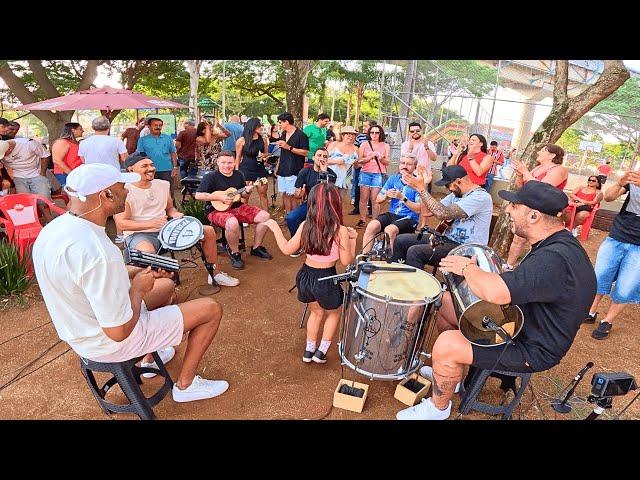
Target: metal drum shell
x: 470, y: 309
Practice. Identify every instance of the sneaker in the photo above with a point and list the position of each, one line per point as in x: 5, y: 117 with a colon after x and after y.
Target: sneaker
x: 590, y: 318
x: 361, y: 224
x: 245, y: 224
x: 602, y: 331
x: 261, y: 252
x: 353, y: 201
x: 224, y: 279
x: 427, y: 372
x: 222, y: 247
x: 306, y: 358
x: 236, y: 261
x: 199, y: 389
x: 166, y: 354
x: 297, y: 253
x: 575, y: 232
x: 506, y: 267
x: 319, y: 357
x: 425, y: 410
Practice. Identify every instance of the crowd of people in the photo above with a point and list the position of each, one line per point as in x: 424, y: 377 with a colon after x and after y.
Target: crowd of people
x: 138, y: 315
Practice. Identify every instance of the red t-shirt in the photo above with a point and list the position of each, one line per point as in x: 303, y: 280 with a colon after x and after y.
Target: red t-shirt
x: 604, y: 169
x: 464, y: 163
x: 187, y: 139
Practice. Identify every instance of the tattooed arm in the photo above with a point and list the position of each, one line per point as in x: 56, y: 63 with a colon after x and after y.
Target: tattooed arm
x: 438, y: 209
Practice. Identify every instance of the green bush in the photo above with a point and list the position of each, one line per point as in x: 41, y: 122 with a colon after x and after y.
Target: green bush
x: 14, y: 278
x: 194, y: 208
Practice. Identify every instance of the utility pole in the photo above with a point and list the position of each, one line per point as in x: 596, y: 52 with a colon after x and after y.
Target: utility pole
x: 224, y: 84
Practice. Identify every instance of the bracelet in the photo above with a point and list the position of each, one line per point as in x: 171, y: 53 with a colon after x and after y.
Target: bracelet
x: 462, y: 271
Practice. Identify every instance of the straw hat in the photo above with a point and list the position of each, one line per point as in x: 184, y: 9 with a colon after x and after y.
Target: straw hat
x: 348, y: 129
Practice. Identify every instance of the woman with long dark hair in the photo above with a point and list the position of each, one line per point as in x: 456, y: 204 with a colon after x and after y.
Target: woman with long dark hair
x: 373, y: 157
x: 473, y: 157
x: 325, y: 240
x: 251, y: 147
x: 64, y: 151
x: 209, y: 144
x: 584, y: 198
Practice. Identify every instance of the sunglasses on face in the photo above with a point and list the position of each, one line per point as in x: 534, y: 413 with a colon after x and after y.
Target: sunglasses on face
x: 374, y: 133
x: 415, y: 131
x: 593, y: 180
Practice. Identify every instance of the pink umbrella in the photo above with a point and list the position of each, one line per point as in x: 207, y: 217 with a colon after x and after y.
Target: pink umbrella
x: 105, y: 98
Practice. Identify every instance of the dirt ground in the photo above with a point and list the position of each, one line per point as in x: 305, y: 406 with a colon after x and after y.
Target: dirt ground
x: 258, y: 351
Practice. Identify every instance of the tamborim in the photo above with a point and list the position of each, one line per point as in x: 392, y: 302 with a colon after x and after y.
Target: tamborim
x: 471, y: 310
x: 181, y: 233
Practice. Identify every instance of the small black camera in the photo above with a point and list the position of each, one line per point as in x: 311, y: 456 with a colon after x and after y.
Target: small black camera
x: 612, y: 384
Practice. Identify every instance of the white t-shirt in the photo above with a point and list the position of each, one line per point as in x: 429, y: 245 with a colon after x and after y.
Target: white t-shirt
x: 84, y: 283
x: 102, y: 149
x: 147, y: 204
x: 25, y: 159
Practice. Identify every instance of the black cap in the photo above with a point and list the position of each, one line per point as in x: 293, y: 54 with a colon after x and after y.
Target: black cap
x: 135, y: 158
x: 451, y: 173
x: 538, y: 195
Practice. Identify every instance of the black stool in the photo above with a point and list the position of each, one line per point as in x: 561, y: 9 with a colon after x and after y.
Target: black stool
x: 128, y: 376
x: 242, y: 246
x: 189, y: 187
x: 473, y: 386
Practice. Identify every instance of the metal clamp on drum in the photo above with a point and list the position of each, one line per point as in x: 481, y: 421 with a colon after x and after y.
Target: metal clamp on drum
x: 181, y: 233
x: 478, y: 318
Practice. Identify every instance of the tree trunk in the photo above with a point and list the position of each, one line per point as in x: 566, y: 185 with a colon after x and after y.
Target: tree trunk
x: 53, y: 121
x: 359, y: 95
x: 295, y: 80
x: 193, y: 67
x: 564, y: 113
x: 347, y: 120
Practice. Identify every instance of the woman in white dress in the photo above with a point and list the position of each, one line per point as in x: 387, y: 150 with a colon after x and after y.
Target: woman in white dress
x: 342, y: 154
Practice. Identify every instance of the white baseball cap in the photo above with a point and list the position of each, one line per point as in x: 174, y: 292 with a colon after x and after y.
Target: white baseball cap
x: 90, y: 178
x: 4, y: 146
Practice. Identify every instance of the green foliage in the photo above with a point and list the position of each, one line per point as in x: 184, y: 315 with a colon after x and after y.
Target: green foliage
x: 13, y: 270
x: 194, y: 208
x: 570, y: 140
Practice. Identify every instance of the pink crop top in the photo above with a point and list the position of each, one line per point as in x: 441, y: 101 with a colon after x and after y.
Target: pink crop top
x: 333, y: 256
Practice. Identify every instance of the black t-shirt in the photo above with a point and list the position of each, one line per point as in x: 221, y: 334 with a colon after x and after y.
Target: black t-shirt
x: 290, y: 163
x: 309, y: 177
x: 626, y: 225
x: 217, y: 182
x: 554, y: 286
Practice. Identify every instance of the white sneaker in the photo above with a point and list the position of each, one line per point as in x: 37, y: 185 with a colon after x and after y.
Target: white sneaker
x: 425, y: 410
x: 166, y: 354
x: 200, y: 389
x: 224, y: 279
x: 427, y: 372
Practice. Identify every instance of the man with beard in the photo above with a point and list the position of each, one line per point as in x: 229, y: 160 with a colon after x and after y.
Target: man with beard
x: 94, y: 306
x: 553, y: 287
x: 423, y: 149
x: 468, y: 207
x: 404, y: 207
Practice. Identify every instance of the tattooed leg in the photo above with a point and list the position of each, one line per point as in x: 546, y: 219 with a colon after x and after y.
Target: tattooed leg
x: 451, y: 353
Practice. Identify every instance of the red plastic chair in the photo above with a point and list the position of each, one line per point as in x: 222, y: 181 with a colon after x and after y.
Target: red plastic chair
x: 586, y: 226
x: 19, y: 216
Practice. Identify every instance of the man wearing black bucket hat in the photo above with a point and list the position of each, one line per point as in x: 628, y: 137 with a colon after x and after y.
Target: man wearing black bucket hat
x: 553, y: 287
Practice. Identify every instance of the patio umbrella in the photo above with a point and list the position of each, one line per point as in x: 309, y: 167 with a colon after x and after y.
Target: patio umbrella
x: 105, y: 98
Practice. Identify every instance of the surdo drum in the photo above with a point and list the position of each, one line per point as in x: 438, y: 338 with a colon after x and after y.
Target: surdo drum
x: 385, y: 319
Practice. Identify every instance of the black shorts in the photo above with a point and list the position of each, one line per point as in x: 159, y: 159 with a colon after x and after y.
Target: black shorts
x: 405, y: 224
x: 512, y: 360
x: 328, y: 295
x: 584, y: 208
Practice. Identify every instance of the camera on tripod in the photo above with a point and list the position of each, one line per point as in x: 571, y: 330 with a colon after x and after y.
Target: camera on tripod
x: 612, y: 384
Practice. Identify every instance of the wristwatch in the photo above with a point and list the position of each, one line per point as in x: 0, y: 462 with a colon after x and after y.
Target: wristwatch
x: 405, y: 199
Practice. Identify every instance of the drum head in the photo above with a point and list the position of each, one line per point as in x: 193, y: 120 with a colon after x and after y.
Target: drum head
x: 405, y: 286
x: 181, y: 233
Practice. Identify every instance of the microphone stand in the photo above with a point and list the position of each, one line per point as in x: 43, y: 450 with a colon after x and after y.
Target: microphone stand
x: 563, y: 406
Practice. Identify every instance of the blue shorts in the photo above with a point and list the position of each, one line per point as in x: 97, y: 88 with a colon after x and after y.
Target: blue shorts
x: 371, y: 180
x: 620, y: 263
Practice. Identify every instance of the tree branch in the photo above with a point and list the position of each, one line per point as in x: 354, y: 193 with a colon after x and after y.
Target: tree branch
x: 561, y: 82
x: 89, y: 75
x: 40, y: 74
x: 15, y: 84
